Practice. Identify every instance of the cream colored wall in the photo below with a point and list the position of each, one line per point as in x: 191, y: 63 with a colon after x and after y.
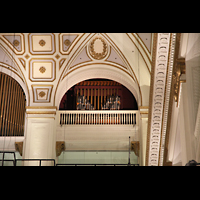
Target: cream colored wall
x: 183, y: 141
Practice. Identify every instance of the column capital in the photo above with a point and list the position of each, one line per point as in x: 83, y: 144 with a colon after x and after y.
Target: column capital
x: 144, y: 111
x: 50, y: 111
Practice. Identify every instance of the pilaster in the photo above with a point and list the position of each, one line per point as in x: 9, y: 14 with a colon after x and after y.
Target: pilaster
x: 40, y: 135
x: 144, y: 110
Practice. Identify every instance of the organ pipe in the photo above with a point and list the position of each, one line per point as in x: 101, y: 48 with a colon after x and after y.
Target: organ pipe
x: 12, y: 107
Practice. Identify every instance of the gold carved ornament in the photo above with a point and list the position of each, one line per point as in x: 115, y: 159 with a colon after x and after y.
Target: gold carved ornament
x: 42, y: 69
x: 42, y: 43
x: 19, y: 147
x: 42, y: 94
x: 135, y: 147
x: 67, y: 42
x: 95, y: 55
x: 60, y: 147
x: 16, y: 43
x: 178, y: 71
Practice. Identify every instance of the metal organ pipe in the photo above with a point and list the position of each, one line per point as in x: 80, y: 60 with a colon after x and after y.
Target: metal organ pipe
x: 12, y: 109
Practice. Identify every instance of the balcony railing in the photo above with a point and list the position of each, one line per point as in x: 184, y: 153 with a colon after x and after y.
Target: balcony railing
x: 98, y: 117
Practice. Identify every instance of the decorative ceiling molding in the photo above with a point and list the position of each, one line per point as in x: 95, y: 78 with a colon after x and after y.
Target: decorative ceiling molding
x: 41, y: 43
x: 14, y: 41
x: 26, y: 50
x: 42, y: 93
x: 160, y: 94
x: 67, y: 41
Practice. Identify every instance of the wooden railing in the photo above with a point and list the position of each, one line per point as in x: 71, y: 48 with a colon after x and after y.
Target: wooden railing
x: 98, y: 117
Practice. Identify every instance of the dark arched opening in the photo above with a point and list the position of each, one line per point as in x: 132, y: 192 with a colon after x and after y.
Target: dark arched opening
x: 12, y: 107
x: 96, y: 93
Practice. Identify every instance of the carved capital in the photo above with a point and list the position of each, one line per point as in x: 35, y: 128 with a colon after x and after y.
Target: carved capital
x: 60, y: 147
x: 19, y: 147
x: 135, y: 147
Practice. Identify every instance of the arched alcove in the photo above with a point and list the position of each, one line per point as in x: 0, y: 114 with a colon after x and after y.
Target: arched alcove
x: 95, y: 71
x: 97, y: 92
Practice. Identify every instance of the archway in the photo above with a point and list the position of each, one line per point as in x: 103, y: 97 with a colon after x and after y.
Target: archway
x: 94, y: 72
x: 98, y: 94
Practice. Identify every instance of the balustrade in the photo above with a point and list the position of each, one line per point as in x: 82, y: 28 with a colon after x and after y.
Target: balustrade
x: 98, y: 117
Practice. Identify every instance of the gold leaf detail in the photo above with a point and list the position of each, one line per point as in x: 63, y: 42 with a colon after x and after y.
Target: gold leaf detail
x: 96, y: 55
x: 16, y: 43
x: 67, y: 42
x: 42, y: 94
x: 42, y: 43
x: 42, y: 69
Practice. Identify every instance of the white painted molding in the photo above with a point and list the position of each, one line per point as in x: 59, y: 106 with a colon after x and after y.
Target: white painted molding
x: 160, y: 76
x: 96, y: 71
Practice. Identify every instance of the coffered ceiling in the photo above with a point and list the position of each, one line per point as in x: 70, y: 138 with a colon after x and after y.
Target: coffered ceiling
x: 38, y: 59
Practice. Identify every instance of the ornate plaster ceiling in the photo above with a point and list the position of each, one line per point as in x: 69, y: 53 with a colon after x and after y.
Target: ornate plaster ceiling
x: 44, y: 60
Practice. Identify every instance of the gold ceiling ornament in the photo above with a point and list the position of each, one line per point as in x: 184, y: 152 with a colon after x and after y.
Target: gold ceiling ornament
x: 57, y: 56
x: 98, y: 55
x: 16, y: 43
x: 27, y: 56
x: 42, y: 94
x: 42, y: 69
x: 67, y: 42
x: 42, y: 43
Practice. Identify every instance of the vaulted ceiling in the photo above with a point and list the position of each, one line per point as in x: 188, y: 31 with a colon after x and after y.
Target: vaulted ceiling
x: 42, y: 61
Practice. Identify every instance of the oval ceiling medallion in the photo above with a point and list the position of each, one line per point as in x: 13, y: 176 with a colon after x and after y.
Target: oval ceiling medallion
x: 98, y: 48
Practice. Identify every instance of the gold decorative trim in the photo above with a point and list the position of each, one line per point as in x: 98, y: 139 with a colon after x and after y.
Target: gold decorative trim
x: 60, y: 147
x: 143, y: 107
x: 10, y: 45
x: 144, y: 112
x: 72, y: 45
x: 23, y: 62
x: 41, y: 112
x: 16, y: 43
x: 42, y: 94
x: 42, y: 42
x: 49, y: 52
x: 35, y: 89
x: 61, y: 62
x: 67, y: 42
x: 41, y: 107
x: 57, y: 56
x: 19, y: 147
x: 42, y: 60
x: 179, y: 69
x: 135, y: 147
x: 42, y: 69
x: 27, y: 56
x: 94, y: 54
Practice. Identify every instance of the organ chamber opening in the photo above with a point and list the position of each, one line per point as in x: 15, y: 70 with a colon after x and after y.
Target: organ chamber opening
x: 12, y: 107
x: 98, y: 94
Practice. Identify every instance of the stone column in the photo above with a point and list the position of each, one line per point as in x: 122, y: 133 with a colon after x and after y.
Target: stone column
x: 40, y: 135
